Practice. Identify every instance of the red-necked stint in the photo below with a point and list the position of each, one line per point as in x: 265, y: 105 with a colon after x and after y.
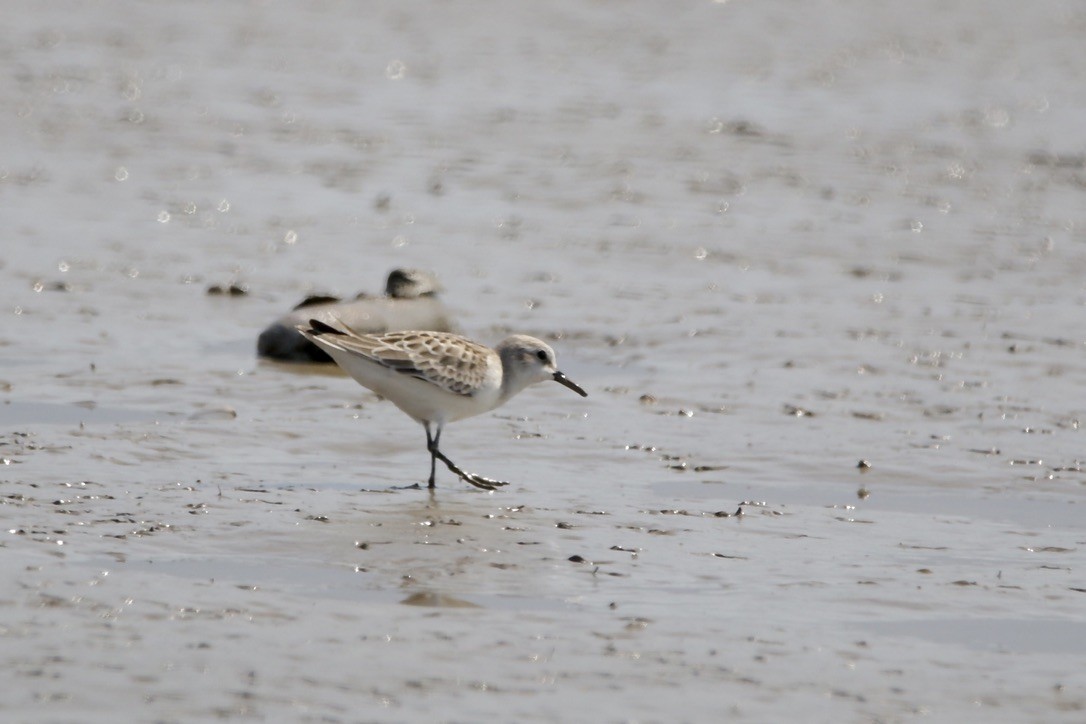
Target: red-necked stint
x: 438, y: 377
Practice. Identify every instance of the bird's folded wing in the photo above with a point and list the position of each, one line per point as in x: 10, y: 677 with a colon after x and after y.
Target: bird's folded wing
x: 448, y: 361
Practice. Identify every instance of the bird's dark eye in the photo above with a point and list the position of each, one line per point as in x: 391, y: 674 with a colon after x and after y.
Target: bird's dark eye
x: 542, y: 355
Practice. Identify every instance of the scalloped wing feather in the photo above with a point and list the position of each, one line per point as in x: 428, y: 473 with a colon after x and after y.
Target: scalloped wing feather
x: 451, y: 362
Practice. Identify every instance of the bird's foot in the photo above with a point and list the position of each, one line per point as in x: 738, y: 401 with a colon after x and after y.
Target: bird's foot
x: 480, y: 482
x: 471, y: 478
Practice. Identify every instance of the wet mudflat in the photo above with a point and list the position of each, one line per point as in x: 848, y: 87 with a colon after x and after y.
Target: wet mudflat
x: 771, y: 242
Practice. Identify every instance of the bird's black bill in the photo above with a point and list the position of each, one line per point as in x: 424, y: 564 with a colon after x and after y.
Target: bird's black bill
x: 567, y: 382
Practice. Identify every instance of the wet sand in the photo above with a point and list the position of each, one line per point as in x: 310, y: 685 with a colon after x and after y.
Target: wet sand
x: 771, y: 242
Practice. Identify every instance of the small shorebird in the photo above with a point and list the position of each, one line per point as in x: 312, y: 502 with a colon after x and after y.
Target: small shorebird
x: 438, y: 377
x: 410, y: 302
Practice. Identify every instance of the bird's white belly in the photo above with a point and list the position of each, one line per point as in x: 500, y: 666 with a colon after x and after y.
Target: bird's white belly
x: 421, y: 400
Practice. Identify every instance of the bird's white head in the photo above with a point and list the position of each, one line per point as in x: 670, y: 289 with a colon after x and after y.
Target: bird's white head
x: 527, y: 360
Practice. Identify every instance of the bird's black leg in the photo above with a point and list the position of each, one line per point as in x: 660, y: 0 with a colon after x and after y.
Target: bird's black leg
x: 431, y: 445
x: 435, y: 454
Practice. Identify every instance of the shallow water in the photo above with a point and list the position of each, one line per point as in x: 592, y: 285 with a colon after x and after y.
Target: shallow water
x: 770, y: 241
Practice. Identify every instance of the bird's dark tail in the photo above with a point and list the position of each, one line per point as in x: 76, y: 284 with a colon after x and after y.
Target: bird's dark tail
x: 317, y: 328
